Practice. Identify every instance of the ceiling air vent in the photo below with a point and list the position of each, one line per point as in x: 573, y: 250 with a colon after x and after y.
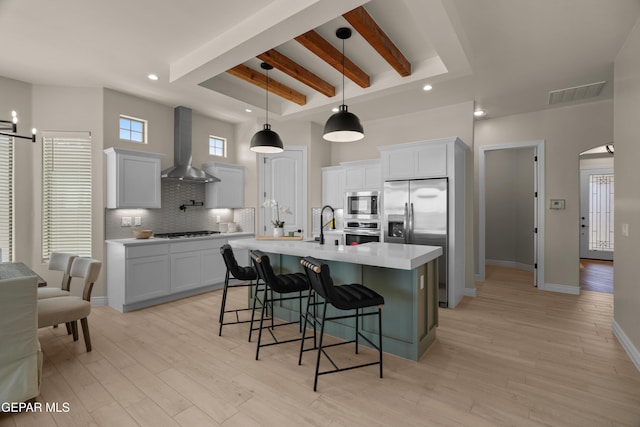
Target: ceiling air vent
x: 576, y: 93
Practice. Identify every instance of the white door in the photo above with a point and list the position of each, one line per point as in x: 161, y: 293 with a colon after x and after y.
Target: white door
x: 596, y: 213
x: 284, y: 179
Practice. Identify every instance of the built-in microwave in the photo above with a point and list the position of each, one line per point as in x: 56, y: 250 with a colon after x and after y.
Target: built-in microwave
x: 361, y: 205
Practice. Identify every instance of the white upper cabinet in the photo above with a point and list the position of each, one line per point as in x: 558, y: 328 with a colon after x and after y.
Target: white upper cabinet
x: 229, y: 192
x: 415, y: 160
x: 362, y: 175
x: 333, y: 186
x: 133, y: 179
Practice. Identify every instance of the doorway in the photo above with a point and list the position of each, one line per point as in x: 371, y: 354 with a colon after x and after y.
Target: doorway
x: 283, y: 178
x: 597, y: 190
x: 537, y: 192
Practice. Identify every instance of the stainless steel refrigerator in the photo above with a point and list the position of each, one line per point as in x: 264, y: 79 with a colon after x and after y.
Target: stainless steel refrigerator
x: 415, y: 212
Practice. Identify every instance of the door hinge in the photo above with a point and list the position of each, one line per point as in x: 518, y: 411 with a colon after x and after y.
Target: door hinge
x: 535, y: 265
x: 264, y: 227
x: 535, y: 194
x: 265, y: 195
x: 535, y: 230
x: 535, y: 158
x: 264, y: 160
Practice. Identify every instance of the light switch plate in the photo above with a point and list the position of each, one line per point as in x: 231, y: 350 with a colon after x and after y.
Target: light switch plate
x: 126, y: 221
x: 557, y: 204
x: 137, y: 220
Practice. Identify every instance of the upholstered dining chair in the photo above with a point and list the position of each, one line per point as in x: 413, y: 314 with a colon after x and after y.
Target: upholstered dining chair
x: 59, y: 261
x: 70, y: 309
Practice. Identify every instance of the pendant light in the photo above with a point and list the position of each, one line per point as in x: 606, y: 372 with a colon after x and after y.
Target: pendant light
x: 343, y: 126
x: 266, y: 140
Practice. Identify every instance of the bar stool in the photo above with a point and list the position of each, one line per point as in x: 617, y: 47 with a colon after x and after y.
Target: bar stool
x: 346, y: 297
x: 282, y: 284
x: 241, y: 273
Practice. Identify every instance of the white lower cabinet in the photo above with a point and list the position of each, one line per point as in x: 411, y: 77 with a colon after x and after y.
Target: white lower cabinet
x: 185, y: 271
x: 143, y: 275
x: 148, y: 276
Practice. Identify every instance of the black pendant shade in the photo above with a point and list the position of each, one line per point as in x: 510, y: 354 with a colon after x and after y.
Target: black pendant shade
x: 343, y: 126
x: 266, y: 140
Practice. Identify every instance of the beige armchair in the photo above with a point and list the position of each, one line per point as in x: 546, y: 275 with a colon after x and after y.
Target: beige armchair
x: 20, y: 355
x: 59, y: 261
x: 70, y: 309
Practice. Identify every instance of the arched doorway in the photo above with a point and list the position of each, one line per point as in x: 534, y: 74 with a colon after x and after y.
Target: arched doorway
x: 597, y: 190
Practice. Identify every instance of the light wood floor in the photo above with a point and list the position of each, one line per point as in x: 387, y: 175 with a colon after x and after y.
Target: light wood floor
x: 512, y: 356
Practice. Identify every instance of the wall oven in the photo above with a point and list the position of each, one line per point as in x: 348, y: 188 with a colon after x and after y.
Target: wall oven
x: 361, y: 205
x: 357, y: 232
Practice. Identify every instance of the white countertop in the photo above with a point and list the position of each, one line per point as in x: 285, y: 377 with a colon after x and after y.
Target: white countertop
x: 388, y: 255
x: 155, y: 240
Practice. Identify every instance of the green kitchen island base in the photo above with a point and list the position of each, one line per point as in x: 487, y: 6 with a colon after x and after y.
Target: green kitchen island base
x: 410, y: 312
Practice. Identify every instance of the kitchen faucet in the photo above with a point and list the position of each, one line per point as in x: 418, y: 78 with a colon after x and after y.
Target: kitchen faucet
x: 332, y: 222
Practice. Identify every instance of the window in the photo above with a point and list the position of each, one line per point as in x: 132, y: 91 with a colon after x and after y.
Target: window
x: 6, y: 197
x: 217, y: 146
x: 132, y: 129
x: 66, y: 194
x: 601, y: 195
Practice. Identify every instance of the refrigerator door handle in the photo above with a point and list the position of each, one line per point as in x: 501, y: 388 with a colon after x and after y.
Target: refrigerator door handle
x: 411, y: 224
x: 405, y: 221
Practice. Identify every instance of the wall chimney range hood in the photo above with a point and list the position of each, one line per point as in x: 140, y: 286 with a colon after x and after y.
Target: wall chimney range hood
x: 182, y: 169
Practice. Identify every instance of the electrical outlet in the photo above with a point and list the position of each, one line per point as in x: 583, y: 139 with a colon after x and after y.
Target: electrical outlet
x: 625, y: 230
x: 126, y: 221
x: 137, y: 220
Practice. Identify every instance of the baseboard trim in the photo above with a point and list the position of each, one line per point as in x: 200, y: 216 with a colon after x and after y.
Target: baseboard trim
x: 510, y: 264
x: 563, y: 289
x: 470, y: 292
x: 626, y: 343
x: 99, y: 301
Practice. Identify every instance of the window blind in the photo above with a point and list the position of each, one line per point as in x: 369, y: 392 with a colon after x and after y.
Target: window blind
x: 66, y: 195
x: 6, y: 197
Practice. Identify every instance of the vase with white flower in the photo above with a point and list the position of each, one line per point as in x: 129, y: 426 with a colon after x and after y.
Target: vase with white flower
x: 278, y: 225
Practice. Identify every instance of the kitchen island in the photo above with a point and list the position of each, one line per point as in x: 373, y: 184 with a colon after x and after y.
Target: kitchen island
x: 405, y: 275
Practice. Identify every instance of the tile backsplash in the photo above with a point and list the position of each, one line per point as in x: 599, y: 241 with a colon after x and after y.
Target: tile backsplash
x: 170, y: 218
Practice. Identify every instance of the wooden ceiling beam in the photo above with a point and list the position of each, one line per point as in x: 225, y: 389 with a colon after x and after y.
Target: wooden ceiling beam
x: 332, y: 56
x: 259, y: 79
x: 364, y: 24
x: 297, y: 71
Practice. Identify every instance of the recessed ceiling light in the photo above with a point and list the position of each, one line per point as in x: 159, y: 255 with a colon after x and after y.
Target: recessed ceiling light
x: 248, y: 110
x: 335, y: 109
x: 479, y: 113
x: 427, y: 88
x: 153, y: 77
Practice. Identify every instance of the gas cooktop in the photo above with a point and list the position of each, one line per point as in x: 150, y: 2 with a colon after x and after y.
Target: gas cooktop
x: 184, y: 234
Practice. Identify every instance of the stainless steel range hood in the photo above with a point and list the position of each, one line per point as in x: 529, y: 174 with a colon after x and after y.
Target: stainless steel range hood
x: 182, y: 169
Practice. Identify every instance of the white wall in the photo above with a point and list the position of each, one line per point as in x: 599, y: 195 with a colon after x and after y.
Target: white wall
x: 627, y: 198
x: 567, y: 131
x: 453, y: 120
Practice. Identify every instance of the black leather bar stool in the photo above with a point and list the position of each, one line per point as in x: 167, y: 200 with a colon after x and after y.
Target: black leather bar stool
x: 346, y: 297
x: 282, y: 284
x: 241, y: 273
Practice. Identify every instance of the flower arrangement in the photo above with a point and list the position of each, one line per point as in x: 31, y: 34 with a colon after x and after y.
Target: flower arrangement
x: 271, y: 203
